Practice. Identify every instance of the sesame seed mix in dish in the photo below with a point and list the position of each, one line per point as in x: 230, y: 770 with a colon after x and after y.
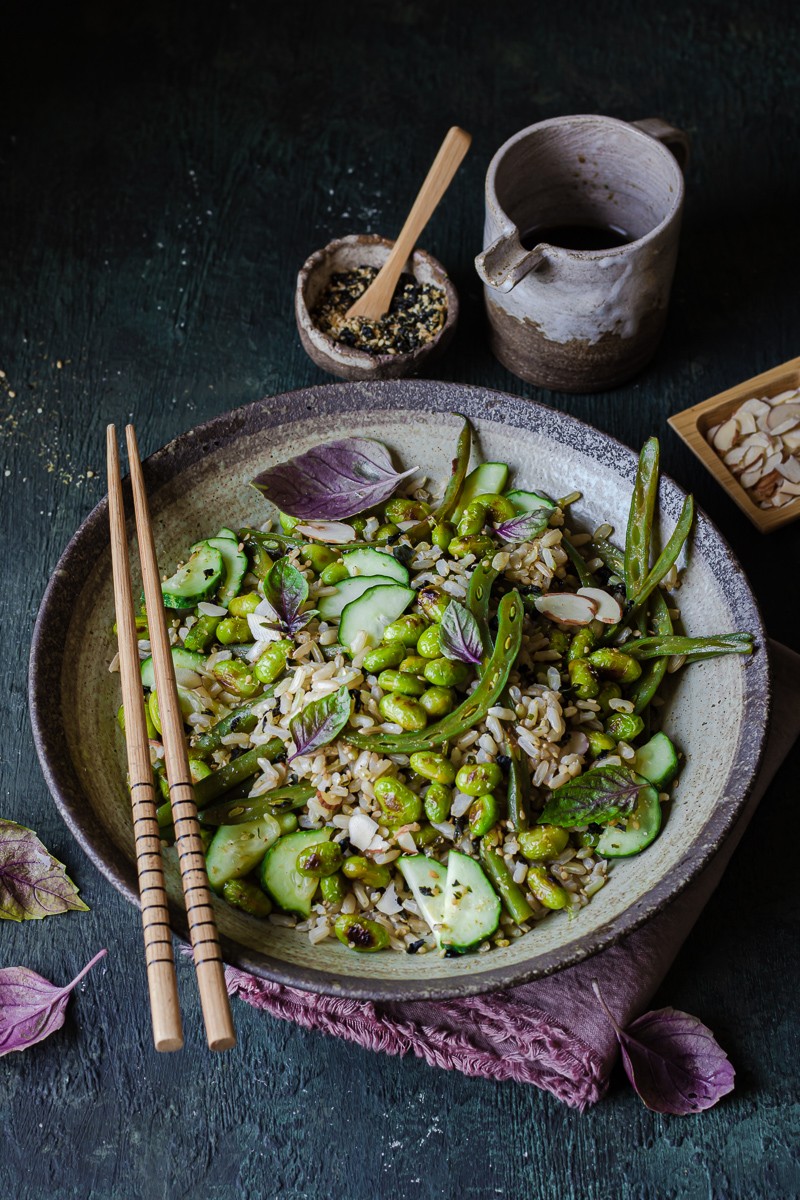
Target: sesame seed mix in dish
x: 416, y: 314
x: 423, y: 718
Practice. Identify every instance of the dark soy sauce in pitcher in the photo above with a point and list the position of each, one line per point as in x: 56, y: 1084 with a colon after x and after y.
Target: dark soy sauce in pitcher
x: 577, y: 237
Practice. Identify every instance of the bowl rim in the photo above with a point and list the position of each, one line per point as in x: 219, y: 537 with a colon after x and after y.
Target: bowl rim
x: 53, y: 618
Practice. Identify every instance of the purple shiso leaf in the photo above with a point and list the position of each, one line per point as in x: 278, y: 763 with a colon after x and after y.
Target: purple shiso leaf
x: 598, y: 796
x: 673, y: 1061
x: 31, y: 1008
x: 320, y: 722
x: 460, y: 636
x: 332, y: 481
x: 286, y: 591
x: 524, y: 527
x: 33, y: 884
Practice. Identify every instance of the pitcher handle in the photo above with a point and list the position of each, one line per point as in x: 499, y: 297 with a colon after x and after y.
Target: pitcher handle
x: 503, y: 264
x: 674, y: 139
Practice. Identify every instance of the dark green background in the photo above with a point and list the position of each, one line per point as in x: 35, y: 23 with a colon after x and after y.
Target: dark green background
x: 165, y: 170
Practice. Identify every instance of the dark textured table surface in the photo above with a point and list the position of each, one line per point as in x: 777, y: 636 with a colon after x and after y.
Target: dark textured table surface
x: 166, y: 168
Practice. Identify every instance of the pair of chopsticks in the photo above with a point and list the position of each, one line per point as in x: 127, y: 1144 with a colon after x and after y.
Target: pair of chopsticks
x: 161, y: 978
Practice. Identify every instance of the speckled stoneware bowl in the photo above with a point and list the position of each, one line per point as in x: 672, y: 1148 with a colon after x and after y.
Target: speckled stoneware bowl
x: 371, y: 250
x: 717, y: 712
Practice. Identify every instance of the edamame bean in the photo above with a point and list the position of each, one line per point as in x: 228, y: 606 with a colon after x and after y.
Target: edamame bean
x: 384, y: 532
x: 233, y: 629
x: 438, y: 701
x: 599, y: 743
x: 237, y: 677
x: 198, y: 769
x: 438, y: 800
x: 403, y: 509
x: 318, y: 557
x: 323, y: 859
x: 371, y: 874
x: 427, y: 836
x: 581, y: 643
x: 406, y: 629
x: 489, y: 507
x: 583, y: 679
x: 260, y: 562
x: 443, y: 672
x: 614, y: 662
x: 559, y: 640
x: 624, y: 727
x: 479, y: 545
x: 443, y: 534
x: 430, y: 643
x: 359, y: 524
x: 543, y: 843
x: 359, y: 933
x: 545, y: 890
x: 413, y: 664
x: 287, y: 523
x: 475, y: 779
x: 432, y: 602
x: 240, y: 606
x: 247, y: 896
x: 483, y: 814
x: 433, y: 766
x: 403, y: 711
x: 403, y: 684
x: 400, y: 805
x: 334, y: 573
x: 287, y: 821
x: 333, y: 888
x: 609, y: 691
x: 383, y: 657
x: 272, y: 662
x: 201, y: 635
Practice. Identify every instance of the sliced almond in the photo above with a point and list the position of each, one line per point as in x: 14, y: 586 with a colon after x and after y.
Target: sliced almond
x: 566, y: 608
x: 726, y: 435
x: 752, y: 455
x: 767, y: 486
x: 788, y: 425
x: 747, y: 422
x: 335, y: 532
x: 771, y: 462
x: 785, y: 397
x: 609, y: 610
x: 792, y: 441
x: 750, y: 477
x: 734, y: 457
x: 790, y: 469
x: 759, y: 408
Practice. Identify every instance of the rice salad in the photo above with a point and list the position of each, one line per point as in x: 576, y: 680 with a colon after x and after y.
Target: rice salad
x: 423, y: 718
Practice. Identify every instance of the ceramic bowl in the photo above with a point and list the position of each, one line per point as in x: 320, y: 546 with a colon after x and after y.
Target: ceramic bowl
x: 344, y: 254
x: 716, y: 711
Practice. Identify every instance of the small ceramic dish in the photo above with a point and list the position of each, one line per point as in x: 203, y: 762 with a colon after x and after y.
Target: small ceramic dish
x: 717, y: 712
x: 693, y: 425
x: 344, y: 254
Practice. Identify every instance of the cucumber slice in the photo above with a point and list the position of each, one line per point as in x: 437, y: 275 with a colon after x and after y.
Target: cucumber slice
x: 280, y: 878
x: 375, y: 562
x: 349, y: 590
x: 236, y: 849
x: 198, y: 579
x: 486, y: 479
x: 471, y: 905
x: 427, y: 879
x: 640, y: 829
x: 188, y: 701
x: 234, y: 562
x: 190, y: 660
x: 657, y: 760
x: 372, y: 612
x: 529, y: 501
x: 227, y: 533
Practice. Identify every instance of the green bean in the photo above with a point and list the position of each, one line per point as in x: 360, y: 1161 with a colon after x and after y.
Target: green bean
x: 399, y: 804
x: 198, y: 769
x: 241, y: 720
x: 438, y: 801
x: 648, y: 683
x: 546, y: 891
x: 201, y: 635
x: 403, y: 711
x: 432, y: 602
x: 325, y: 858
x: 510, y: 614
x: 484, y: 812
x: 274, y: 541
x: 583, y: 679
x: 287, y: 521
x: 695, y: 649
x: 585, y: 576
x: 543, y: 843
x: 430, y: 643
x: 480, y: 544
x: 449, y: 502
x: 518, y: 793
x: 233, y: 629
x: 382, y: 657
x: 668, y: 556
x: 371, y: 874
x: 359, y: 933
x: 624, y: 727
x: 237, y: 677
x: 438, y: 701
x: 240, y: 606
x: 611, y: 557
x: 405, y: 629
x: 444, y: 672
x: 640, y: 519
x: 509, y: 892
x: 616, y: 662
x: 236, y: 771
x: 272, y: 663
x: 435, y: 767
x: 333, y: 888
x: 474, y: 779
x: 247, y: 896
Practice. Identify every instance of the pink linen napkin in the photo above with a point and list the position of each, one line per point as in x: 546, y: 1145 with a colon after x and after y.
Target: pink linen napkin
x: 551, y: 1032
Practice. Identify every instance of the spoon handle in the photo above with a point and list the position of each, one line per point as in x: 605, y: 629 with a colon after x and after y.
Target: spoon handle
x: 378, y: 296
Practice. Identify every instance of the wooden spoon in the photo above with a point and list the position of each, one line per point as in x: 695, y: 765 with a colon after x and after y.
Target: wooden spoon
x: 378, y: 296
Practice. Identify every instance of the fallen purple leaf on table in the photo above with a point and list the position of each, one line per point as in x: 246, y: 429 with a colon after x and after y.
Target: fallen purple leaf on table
x: 31, y: 1008
x: 33, y: 884
x: 673, y: 1060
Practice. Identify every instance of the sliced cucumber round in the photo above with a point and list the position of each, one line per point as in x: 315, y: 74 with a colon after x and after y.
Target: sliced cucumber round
x: 234, y: 562
x: 198, y: 579
x: 639, y: 830
x: 488, y: 478
x: 529, y: 501
x: 331, y: 607
x: 471, y: 905
x: 280, y: 878
x: 657, y: 760
x: 227, y: 533
x: 427, y: 879
x: 375, y: 562
x: 189, y: 660
x: 236, y: 849
x: 372, y: 612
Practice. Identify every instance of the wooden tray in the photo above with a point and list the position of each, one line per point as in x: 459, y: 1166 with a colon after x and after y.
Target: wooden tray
x: 694, y: 423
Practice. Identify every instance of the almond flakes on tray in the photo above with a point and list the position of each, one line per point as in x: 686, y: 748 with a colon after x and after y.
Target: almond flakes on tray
x: 760, y: 445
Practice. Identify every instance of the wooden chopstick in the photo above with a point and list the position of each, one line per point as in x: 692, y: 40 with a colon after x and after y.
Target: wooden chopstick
x: 161, y: 980
x: 197, y: 893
